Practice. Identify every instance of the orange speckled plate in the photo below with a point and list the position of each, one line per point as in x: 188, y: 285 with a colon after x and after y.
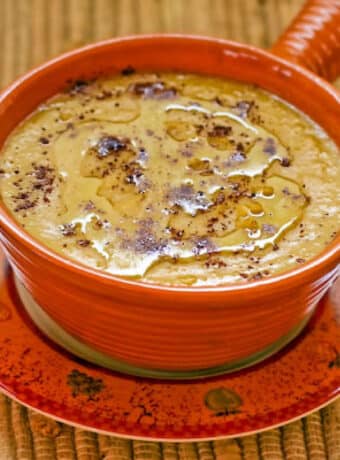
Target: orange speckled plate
x: 302, y: 378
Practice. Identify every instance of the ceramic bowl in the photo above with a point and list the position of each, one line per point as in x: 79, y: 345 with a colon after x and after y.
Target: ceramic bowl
x: 178, y: 332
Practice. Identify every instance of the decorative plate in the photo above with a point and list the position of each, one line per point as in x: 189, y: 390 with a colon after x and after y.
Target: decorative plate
x: 301, y: 378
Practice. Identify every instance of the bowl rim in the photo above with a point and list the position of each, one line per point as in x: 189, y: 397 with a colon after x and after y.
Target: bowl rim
x: 297, y: 275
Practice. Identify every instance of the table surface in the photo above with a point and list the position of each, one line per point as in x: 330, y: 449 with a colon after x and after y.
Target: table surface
x: 32, y: 31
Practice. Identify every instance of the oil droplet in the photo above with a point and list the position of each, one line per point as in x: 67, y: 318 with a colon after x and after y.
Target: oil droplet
x: 207, y: 93
x: 267, y: 191
x: 180, y: 131
x: 121, y: 110
x: 199, y: 164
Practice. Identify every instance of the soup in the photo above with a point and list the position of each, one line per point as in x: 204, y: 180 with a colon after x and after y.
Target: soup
x: 173, y: 179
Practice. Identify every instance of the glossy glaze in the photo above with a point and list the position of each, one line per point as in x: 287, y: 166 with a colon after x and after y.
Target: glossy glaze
x: 153, y: 326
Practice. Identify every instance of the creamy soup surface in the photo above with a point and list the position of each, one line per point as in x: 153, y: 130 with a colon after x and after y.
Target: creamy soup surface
x: 174, y: 179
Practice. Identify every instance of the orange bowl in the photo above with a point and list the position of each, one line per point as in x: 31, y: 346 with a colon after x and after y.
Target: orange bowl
x: 152, y: 329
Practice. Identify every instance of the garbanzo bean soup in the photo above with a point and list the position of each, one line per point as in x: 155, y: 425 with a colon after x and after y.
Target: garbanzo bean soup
x: 174, y: 179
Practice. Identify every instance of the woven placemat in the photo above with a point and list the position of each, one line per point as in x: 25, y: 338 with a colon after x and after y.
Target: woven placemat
x: 26, y: 435
x: 32, y: 31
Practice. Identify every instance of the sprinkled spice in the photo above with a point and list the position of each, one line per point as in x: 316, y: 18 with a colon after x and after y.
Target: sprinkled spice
x: 269, y: 146
x: 219, y: 131
x: 270, y: 229
x: 89, y: 206
x: 220, y: 198
x: 186, y: 153
x: 108, y: 145
x: 285, y: 162
x: 153, y: 90
x: 78, y: 87
x: 235, y: 158
x: 143, y: 156
x: 188, y: 199
x: 68, y: 229
x: 105, y: 94
x: 145, y: 242
x: 243, y: 108
x: 299, y: 260
x: 256, y: 277
x: 203, y: 246
x: 215, y: 263
x: 83, y: 243
x: 24, y: 205
x: 44, y: 140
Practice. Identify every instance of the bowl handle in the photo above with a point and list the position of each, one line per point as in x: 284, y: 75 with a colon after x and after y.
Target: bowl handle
x: 313, y: 38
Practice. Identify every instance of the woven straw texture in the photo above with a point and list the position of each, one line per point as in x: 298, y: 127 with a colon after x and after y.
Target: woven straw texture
x: 32, y: 31
x: 26, y: 435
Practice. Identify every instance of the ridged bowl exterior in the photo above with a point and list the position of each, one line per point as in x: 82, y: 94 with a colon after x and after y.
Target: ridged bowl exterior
x: 313, y: 38
x: 160, y: 327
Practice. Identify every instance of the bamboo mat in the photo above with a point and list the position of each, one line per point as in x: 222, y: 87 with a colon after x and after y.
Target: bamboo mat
x: 32, y: 31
